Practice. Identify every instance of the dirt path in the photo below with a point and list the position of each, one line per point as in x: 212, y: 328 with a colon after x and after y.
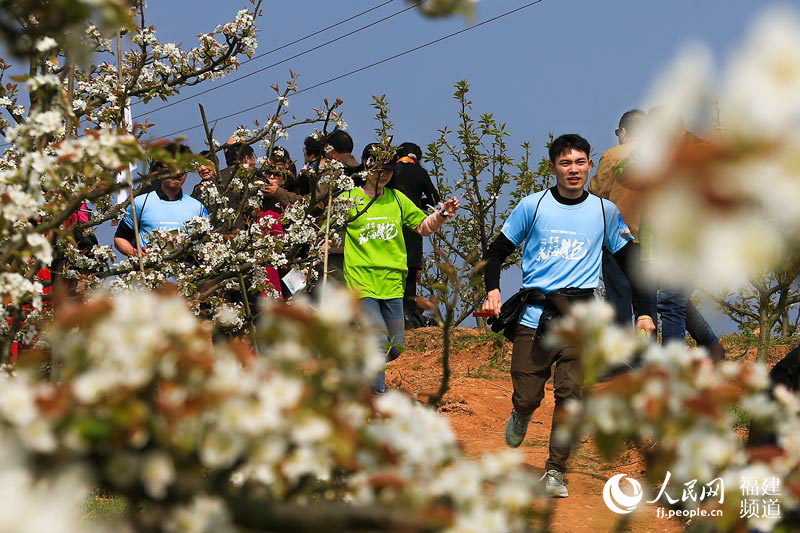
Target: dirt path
x: 478, y: 405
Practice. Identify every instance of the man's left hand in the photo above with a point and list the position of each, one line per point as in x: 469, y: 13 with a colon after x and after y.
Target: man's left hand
x: 645, y: 323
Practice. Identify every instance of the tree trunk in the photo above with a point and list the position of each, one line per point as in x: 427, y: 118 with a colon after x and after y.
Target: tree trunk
x: 763, y: 334
x: 785, y: 322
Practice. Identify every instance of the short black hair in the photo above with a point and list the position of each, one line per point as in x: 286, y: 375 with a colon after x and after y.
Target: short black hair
x: 631, y: 119
x: 408, y: 148
x: 236, y: 152
x: 340, y: 141
x: 173, y: 148
x: 312, y: 147
x: 280, y: 157
x: 567, y: 142
x: 280, y: 152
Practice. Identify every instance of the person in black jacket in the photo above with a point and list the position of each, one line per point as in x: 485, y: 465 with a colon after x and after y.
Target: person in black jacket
x: 413, y: 181
x: 786, y: 372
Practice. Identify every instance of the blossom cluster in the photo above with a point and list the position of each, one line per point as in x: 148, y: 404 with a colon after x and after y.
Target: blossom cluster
x: 152, y: 69
x: 681, y: 405
x: 149, y: 406
x: 25, y: 496
x: 722, y: 207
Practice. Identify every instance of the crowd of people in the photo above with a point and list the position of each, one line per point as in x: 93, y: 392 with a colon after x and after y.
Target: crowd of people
x: 571, y: 235
x: 379, y: 255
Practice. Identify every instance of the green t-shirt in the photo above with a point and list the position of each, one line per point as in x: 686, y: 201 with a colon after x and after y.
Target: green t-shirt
x: 374, y: 249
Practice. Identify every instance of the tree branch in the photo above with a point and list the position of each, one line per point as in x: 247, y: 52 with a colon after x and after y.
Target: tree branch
x: 263, y: 515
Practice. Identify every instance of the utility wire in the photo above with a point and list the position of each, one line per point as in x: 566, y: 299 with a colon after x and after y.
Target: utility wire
x: 301, y: 39
x: 356, y: 71
x: 268, y: 52
x: 366, y: 67
x: 281, y: 62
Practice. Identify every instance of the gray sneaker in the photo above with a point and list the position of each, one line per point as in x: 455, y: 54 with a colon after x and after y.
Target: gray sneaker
x: 516, y: 427
x: 554, y: 484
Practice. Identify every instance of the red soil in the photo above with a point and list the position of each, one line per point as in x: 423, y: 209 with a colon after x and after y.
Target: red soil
x: 478, y: 405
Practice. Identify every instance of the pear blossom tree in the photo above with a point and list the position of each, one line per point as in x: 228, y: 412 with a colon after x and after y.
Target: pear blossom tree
x: 678, y: 408
x: 202, y: 436
x: 208, y: 259
x: 137, y: 400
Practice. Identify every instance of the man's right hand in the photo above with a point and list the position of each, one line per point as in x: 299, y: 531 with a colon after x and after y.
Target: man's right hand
x: 134, y: 253
x: 493, y: 302
x: 271, y: 188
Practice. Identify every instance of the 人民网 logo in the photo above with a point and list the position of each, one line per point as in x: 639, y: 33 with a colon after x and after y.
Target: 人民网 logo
x: 618, y: 501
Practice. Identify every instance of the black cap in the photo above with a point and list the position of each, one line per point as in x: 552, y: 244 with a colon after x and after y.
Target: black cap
x: 367, y: 158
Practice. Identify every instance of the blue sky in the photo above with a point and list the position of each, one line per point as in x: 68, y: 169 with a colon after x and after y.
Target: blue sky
x: 556, y: 66
x: 559, y: 66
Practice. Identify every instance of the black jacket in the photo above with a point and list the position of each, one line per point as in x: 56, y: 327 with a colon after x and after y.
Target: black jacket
x: 552, y: 302
x: 413, y: 181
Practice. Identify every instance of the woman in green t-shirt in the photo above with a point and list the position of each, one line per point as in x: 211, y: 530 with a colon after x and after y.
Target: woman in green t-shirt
x: 375, y: 252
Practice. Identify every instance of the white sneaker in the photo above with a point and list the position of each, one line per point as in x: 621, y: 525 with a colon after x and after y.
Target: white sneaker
x: 554, y: 484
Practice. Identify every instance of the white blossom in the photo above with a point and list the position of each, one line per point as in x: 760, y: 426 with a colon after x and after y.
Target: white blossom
x: 205, y: 514
x: 40, y: 247
x: 158, y: 473
x: 762, y: 81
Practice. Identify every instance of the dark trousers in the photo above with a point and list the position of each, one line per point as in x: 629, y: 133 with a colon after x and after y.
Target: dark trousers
x: 530, y: 369
x: 336, y: 267
x: 619, y: 293
x: 410, y: 292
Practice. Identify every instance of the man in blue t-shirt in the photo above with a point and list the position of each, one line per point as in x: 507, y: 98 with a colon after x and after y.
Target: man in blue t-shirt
x: 562, y: 231
x: 164, y: 207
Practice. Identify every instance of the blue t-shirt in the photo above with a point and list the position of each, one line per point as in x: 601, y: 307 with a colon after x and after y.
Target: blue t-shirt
x: 154, y: 212
x: 563, y: 248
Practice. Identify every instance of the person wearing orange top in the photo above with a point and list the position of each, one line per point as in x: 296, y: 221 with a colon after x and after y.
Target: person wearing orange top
x: 613, y: 183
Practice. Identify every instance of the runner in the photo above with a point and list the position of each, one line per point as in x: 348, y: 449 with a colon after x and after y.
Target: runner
x: 375, y: 252
x: 563, y: 231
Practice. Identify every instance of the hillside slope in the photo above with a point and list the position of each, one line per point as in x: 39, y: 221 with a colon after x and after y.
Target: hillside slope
x: 478, y: 405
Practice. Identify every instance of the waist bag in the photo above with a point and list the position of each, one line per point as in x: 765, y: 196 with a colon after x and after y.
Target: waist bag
x: 551, y: 304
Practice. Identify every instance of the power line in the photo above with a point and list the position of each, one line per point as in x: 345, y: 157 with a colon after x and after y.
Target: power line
x: 356, y: 71
x: 277, y: 49
x: 366, y: 67
x: 282, y: 61
x: 301, y: 39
